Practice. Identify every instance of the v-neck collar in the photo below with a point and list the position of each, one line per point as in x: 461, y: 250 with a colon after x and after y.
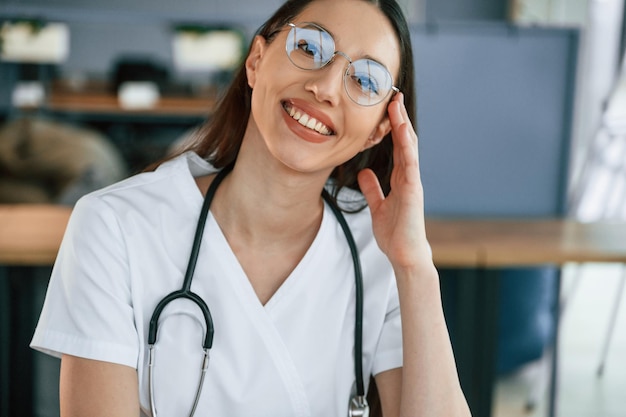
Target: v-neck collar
x: 240, y: 278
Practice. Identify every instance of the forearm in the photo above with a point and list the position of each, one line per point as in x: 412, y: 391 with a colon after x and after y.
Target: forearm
x: 430, y: 384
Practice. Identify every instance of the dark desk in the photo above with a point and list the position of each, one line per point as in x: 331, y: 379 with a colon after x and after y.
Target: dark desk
x: 485, y: 245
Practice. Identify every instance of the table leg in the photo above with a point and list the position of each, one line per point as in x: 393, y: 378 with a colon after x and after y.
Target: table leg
x: 5, y: 320
x: 21, y: 367
x: 554, y: 374
x: 28, y: 379
x: 471, y: 301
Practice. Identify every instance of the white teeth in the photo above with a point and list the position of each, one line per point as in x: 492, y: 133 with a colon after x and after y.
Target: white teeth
x: 321, y: 128
x: 308, y: 121
x: 312, y: 124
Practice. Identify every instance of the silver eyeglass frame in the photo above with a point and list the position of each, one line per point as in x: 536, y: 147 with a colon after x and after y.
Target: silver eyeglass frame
x: 392, y: 90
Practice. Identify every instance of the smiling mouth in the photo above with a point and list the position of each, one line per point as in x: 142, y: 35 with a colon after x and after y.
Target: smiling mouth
x: 307, y: 120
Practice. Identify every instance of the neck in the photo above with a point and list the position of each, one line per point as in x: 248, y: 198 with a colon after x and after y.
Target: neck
x: 262, y: 197
x: 264, y: 204
x: 260, y: 211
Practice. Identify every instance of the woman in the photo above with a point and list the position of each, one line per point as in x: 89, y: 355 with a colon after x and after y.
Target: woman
x: 315, y: 99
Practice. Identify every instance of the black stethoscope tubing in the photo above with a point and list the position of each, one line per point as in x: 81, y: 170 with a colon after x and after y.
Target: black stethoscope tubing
x: 185, y: 291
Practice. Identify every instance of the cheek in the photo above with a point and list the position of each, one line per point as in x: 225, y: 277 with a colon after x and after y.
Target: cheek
x: 265, y: 109
x: 264, y: 84
x: 366, y: 121
x: 258, y: 110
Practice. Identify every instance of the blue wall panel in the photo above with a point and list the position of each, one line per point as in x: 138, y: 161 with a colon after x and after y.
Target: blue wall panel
x: 494, y: 117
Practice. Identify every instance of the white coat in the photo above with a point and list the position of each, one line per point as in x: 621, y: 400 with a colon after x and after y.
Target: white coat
x: 127, y: 246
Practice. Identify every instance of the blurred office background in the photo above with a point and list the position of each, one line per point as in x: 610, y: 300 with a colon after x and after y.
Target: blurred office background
x: 530, y: 85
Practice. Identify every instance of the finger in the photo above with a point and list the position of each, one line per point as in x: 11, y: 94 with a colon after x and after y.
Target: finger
x: 403, y: 135
x: 370, y: 187
x: 405, y: 151
x: 395, y: 112
x: 401, y: 115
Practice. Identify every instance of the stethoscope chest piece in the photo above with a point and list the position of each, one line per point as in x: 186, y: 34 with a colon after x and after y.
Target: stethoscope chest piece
x: 358, y: 407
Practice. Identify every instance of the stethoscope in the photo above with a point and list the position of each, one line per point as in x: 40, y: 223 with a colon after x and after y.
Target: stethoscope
x: 358, y: 406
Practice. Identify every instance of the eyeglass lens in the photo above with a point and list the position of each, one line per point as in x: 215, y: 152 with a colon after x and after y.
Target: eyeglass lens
x: 310, y: 47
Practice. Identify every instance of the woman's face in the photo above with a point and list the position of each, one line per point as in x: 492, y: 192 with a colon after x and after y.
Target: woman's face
x: 285, y: 96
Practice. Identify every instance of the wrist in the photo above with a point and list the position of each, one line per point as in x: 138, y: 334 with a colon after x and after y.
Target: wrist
x: 422, y: 269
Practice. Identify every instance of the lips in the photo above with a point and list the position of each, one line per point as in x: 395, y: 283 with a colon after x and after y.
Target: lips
x: 307, y: 120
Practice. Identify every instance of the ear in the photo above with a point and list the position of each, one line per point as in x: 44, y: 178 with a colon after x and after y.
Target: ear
x: 380, y: 131
x: 257, y: 50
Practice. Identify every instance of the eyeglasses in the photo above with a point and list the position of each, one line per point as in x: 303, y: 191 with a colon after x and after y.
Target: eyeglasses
x: 310, y: 47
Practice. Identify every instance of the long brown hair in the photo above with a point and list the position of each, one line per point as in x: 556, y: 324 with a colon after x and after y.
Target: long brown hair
x: 219, y: 139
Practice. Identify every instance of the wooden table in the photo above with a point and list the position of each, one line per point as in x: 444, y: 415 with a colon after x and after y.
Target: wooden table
x: 31, y: 234
x: 507, y: 243
x: 497, y: 243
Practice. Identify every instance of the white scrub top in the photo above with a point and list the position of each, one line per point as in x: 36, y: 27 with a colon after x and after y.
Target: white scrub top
x: 127, y: 246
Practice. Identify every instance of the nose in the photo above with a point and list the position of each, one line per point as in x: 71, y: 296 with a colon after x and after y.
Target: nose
x: 326, y: 83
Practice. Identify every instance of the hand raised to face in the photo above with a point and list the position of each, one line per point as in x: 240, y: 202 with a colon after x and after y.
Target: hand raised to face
x: 398, y: 219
